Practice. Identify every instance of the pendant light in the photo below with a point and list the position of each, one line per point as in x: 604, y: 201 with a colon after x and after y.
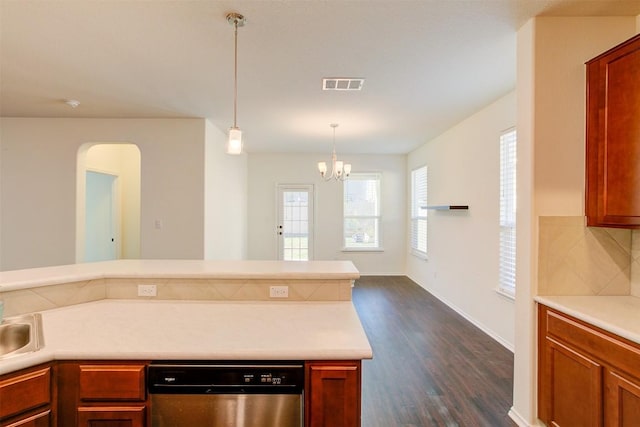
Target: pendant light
x: 339, y: 169
x: 234, y: 144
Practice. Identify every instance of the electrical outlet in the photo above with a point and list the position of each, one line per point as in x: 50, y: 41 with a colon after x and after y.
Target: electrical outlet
x: 147, y: 290
x: 279, y: 291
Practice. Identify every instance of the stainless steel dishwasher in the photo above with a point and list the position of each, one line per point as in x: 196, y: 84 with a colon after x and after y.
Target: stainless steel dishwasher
x: 226, y: 394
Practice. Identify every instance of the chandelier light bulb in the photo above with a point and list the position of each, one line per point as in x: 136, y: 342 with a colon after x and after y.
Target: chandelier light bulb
x: 322, y: 167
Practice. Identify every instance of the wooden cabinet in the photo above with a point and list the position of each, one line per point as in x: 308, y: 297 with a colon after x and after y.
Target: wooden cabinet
x: 613, y: 137
x: 586, y: 376
x: 113, y: 394
x: 105, y: 394
x: 25, y: 398
x: 622, y: 397
x: 332, y: 394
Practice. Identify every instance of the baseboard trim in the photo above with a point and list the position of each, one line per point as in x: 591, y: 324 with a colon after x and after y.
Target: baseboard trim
x: 521, y: 422
x: 477, y: 324
x: 515, y: 416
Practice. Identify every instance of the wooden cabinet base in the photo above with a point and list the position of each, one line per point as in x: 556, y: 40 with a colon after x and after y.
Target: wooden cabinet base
x: 25, y: 398
x: 586, y: 376
x: 332, y: 394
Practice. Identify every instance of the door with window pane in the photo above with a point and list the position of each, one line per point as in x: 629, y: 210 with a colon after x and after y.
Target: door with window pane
x: 295, y: 222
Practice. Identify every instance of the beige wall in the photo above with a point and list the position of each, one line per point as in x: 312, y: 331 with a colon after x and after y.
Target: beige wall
x: 38, y: 179
x: 225, y: 199
x: 463, y: 247
x: 551, y: 103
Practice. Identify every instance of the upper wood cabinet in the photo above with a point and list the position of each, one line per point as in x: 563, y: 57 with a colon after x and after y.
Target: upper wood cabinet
x: 613, y: 137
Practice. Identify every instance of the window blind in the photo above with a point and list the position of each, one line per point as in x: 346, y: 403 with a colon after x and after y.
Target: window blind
x: 507, y: 260
x: 419, y: 211
x: 361, y: 211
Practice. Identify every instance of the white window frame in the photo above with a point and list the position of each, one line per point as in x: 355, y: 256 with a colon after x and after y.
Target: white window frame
x: 363, y: 176
x: 419, y: 221
x: 507, y: 254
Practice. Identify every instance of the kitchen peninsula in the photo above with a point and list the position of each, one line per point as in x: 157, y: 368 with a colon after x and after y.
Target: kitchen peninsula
x: 203, y: 310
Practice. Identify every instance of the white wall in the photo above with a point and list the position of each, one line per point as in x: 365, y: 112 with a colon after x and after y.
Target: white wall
x: 38, y: 179
x: 463, y: 246
x: 225, y: 199
x: 267, y: 170
x: 551, y: 111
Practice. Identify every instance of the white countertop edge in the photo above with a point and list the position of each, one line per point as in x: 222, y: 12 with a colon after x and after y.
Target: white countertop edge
x: 176, y: 269
x: 619, y: 315
x: 43, y: 356
x: 64, y: 343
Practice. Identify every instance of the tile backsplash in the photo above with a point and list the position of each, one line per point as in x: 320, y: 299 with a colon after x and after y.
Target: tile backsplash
x: 65, y: 294
x: 635, y: 263
x: 577, y: 260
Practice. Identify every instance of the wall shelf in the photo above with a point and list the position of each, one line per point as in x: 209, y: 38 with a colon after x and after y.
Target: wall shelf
x: 447, y: 207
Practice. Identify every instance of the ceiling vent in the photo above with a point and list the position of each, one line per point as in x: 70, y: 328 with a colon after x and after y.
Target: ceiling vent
x: 334, y: 83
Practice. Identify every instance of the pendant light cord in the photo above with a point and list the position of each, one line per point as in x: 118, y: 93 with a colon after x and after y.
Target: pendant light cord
x: 235, y: 75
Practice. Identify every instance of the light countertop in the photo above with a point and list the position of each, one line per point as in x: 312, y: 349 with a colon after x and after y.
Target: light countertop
x: 157, y: 330
x: 195, y: 269
x: 616, y: 314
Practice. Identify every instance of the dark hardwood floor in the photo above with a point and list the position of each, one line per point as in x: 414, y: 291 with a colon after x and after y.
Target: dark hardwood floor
x: 430, y: 366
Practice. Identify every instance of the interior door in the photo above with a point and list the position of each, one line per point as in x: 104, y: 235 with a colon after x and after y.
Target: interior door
x: 295, y: 222
x: 100, y: 218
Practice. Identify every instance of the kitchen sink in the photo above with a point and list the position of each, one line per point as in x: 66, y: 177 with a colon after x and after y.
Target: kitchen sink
x: 21, y: 335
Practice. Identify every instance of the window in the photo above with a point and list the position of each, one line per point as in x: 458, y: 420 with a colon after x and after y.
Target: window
x: 362, y: 211
x: 419, y: 211
x: 508, y: 212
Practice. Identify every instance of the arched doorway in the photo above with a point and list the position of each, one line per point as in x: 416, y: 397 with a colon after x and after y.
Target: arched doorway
x: 108, y: 202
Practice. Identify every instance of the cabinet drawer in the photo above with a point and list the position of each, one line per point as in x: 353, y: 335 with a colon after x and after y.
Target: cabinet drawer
x: 112, y: 382
x: 593, y: 341
x: 43, y: 419
x: 23, y: 392
x: 131, y: 416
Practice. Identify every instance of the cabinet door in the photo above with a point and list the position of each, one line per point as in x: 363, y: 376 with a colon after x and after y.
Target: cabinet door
x: 622, y: 397
x: 571, y: 388
x: 333, y: 394
x: 613, y: 137
x: 111, y: 416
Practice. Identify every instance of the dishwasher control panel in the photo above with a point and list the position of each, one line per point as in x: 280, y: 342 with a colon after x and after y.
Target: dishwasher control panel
x: 211, y: 377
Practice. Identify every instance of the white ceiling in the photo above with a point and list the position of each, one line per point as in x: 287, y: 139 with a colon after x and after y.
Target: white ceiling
x: 428, y: 64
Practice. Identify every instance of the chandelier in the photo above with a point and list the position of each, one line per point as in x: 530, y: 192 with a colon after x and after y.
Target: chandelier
x: 339, y: 170
x: 234, y: 144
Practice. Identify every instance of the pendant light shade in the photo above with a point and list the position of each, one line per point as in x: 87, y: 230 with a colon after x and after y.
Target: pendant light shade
x: 234, y: 144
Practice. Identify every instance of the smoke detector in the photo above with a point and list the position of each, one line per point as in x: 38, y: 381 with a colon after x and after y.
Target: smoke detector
x: 342, y: 83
